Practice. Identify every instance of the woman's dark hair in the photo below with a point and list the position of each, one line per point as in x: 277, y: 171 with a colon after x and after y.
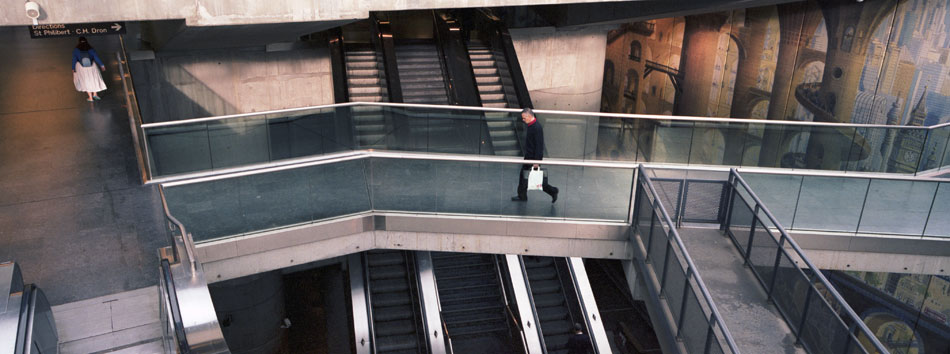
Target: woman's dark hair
x: 83, y: 44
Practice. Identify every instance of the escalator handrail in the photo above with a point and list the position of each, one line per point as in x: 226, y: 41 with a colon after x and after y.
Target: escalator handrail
x: 534, y: 307
x: 369, y: 302
x: 382, y: 38
x: 411, y: 271
x: 171, y: 297
x: 338, y: 65
x: 185, y: 242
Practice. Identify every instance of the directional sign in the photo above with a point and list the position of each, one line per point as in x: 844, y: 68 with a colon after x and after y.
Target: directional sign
x: 77, y: 29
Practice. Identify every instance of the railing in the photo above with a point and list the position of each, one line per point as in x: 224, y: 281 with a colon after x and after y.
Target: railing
x: 820, y: 318
x: 206, y: 145
x: 695, y: 316
x: 135, y: 116
x: 857, y: 205
x: 372, y: 181
x: 173, y: 330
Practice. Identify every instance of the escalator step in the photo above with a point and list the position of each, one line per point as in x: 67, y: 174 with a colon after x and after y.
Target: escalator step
x: 548, y: 300
x: 387, y: 272
x: 385, y: 258
x: 552, y: 314
x: 553, y: 328
x: 393, y: 328
x: 545, y: 287
x: 392, y: 344
x: 535, y: 274
x: 479, y: 330
x: 391, y: 313
x: 392, y: 299
x: 388, y: 286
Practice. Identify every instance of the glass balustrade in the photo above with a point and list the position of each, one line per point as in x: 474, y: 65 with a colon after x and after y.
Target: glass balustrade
x: 217, y: 143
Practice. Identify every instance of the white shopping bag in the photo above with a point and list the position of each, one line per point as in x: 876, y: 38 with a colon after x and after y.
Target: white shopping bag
x: 535, y: 179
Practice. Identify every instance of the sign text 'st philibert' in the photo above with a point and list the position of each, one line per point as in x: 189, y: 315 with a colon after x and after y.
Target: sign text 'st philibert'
x: 77, y: 29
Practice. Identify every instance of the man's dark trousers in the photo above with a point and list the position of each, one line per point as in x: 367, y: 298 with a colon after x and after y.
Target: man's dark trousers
x: 523, y: 184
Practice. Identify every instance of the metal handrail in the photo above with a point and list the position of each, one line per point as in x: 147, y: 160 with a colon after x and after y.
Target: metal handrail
x: 186, y: 242
x: 135, y: 113
x: 815, y: 270
x: 538, y: 111
x: 645, y: 178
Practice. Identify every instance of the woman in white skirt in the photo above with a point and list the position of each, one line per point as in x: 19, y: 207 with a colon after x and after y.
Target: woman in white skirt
x: 86, y: 70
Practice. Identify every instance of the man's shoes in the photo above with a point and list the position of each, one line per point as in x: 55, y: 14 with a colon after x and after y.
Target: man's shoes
x: 518, y: 199
x: 554, y: 196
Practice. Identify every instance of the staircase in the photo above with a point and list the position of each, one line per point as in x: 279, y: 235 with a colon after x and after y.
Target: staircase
x: 496, y: 90
x: 473, y: 306
x: 420, y: 73
x: 549, y: 301
x: 366, y: 81
x: 397, y: 323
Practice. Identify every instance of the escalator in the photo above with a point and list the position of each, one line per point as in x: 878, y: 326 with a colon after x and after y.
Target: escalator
x: 473, y: 304
x: 421, y: 75
x: 551, y: 301
x: 497, y: 90
x: 396, y: 315
x: 366, y: 82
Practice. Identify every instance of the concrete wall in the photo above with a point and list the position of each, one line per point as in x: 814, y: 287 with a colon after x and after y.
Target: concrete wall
x: 235, y: 12
x: 202, y: 84
x: 563, y: 69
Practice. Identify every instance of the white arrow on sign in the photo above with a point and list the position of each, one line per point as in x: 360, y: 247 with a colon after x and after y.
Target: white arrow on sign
x: 116, y: 27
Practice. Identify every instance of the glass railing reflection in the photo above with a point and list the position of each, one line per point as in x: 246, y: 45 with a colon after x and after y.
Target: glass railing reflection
x: 248, y: 203
x: 216, y: 143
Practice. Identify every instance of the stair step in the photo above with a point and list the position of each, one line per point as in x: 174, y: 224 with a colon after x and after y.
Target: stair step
x: 393, y: 344
x: 388, y: 286
x: 392, y: 313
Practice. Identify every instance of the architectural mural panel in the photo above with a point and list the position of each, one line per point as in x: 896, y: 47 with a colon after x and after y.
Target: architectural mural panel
x: 882, y: 62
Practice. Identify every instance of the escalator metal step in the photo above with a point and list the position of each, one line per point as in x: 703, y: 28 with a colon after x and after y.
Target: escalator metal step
x: 392, y: 313
x: 388, y: 286
x: 393, y: 344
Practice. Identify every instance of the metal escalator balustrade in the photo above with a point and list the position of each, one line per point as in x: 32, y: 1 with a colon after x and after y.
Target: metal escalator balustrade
x: 822, y: 321
x: 26, y: 318
x: 397, y: 320
x: 206, y: 145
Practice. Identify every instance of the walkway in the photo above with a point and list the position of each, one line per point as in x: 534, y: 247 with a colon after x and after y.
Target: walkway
x: 754, y: 323
x: 73, y: 212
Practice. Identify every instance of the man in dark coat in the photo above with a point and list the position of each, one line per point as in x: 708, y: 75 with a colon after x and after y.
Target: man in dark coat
x: 533, y: 150
x: 579, y: 343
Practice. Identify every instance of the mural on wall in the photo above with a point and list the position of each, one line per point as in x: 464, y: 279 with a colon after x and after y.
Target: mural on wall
x: 883, y: 62
x: 909, y: 313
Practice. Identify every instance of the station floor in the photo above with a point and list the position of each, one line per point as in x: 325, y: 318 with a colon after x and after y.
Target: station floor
x: 73, y: 211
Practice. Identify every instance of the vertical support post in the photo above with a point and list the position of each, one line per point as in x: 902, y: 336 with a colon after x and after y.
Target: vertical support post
x: 679, y: 324
x: 801, y: 323
x: 666, y: 264
x: 709, y: 333
x: 778, y: 261
x: 748, y: 250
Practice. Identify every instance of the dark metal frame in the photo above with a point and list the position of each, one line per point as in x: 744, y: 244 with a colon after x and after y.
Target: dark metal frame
x: 172, y: 297
x: 692, y: 279
x: 784, y: 246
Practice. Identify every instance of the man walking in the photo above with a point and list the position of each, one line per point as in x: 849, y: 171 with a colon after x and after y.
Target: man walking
x: 533, y: 150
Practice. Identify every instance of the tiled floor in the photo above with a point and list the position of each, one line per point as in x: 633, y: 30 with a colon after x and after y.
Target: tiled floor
x: 126, y: 322
x: 73, y: 212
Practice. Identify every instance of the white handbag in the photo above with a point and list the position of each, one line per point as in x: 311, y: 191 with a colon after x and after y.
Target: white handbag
x: 535, y: 179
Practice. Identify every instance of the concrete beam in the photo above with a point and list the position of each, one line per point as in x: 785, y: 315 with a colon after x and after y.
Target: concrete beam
x: 240, y: 256
x: 235, y: 12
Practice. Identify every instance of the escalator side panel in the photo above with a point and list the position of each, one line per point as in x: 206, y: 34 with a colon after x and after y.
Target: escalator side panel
x: 459, y: 67
x: 338, y: 65
x: 592, y: 318
x: 428, y: 294
x: 359, y: 299
x: 529, y: 319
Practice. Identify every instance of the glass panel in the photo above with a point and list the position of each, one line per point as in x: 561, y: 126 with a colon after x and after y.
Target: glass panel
x: 675, y: 281
x: 830, y: 203
x: 275, y: 199
x: 823, y: 331
x: 179, y: 149
x: 876, y: 150
x: 208, y: 210
x: 314, y: 133
x: 669, y: 137
x: 740, y: 223
x: 339, y: 189
x: 237, y: 142
x: 782, y: 146
x: 716, y: 143
x: 778, y: 192
x: 938, y: 223
x: 644, y: 211
x: 569, y: 136
x: 589, y: 192
x: 789, y: 292
x: 657, y: 251
x: 830, y: 148
x: 763, y: 253
x: 695, y: 322
x: 897, y: 207
x: 753, y: 133
x: 945, y: 161
x: 934, y: 149
x: 617, y: 139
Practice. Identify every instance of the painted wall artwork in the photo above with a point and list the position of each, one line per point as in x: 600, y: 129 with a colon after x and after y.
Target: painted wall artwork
x: 881, y: 62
